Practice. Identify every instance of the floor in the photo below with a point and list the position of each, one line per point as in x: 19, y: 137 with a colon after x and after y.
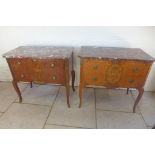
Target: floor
x: 44, y: 106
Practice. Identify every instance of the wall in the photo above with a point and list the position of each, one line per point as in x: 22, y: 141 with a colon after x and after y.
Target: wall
x: 141, y: 37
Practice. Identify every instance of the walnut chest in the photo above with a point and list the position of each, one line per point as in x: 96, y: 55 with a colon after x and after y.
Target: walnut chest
x: 114, y: 67
x: 42, y: 64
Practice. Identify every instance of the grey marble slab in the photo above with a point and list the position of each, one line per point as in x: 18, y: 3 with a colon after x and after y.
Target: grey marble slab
x: 40, y: 52
x: 114, y: 53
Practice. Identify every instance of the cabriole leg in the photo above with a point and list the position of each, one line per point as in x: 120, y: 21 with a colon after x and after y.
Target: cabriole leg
x: 127, y: 92
x: 68, y: 94
x: 73, y: 79
x: 17, y: 90
x: 31, y: 85
x: 80, y: 95
x: 141, y: 91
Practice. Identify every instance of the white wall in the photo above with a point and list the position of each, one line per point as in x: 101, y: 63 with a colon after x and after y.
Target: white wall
x: 141, y: 37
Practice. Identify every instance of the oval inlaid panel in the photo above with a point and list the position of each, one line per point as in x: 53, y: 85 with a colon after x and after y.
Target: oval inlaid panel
x: 113, y: 74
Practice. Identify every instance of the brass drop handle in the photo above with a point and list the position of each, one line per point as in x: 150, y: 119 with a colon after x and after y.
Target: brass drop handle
x: 95, y: 67
x: 94, y: 78
x: 18, y: 63
x: 34, y: 60
x: 52, y: 65
x: 53, y: 77
x: 22, y: 75
x: 131, y: 81
x: 135, y: 70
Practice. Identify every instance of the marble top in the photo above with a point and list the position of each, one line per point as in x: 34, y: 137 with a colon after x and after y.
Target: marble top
x: 114, y: 53
x: 40, y: 52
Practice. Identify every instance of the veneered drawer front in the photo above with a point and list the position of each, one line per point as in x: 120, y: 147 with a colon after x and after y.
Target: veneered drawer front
x: 50, y: 71
x: 135, y: 73
x: 20, y: 69
x: 135, y: 68
x: 94, y: 72
x: 102, y: 72
x: 46, y: 64
x: 39, y: 70
x: 115, y: 73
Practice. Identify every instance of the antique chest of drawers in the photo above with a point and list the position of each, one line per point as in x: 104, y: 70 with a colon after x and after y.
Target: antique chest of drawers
x: 114, y: 68
x: 42, y: 64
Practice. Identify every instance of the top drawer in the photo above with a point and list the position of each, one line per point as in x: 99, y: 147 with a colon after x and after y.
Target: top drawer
x: 46, y: 65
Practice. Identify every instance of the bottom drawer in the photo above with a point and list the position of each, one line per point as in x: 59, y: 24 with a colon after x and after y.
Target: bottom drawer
x: 49, y: 77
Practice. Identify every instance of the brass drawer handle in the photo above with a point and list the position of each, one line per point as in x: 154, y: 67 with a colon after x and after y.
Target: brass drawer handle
x: 22, y: 76
x: 131, y: 81
x: 34, y: 60
x: 95, y: 67
x: 135, y: 70
x: 18, y: 63
x: 53, y: 77
x: 94, y: 78
x: 52, y: 65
